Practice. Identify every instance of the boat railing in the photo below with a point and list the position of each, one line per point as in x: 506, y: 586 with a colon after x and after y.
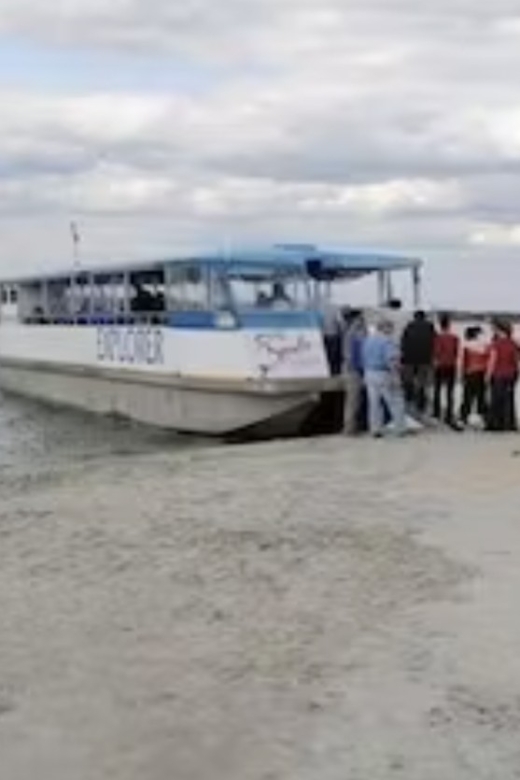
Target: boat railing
x: 144, y: 319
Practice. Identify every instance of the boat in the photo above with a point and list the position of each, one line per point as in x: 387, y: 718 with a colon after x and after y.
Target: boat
x: 222, y: 344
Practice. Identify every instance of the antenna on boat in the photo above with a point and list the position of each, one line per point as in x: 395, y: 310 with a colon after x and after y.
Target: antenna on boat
x: 75, y: 244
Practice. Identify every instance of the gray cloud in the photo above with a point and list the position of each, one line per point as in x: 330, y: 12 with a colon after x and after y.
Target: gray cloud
x: 389, y: 122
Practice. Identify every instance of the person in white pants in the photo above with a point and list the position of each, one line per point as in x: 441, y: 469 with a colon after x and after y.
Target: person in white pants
x: 382, y: 374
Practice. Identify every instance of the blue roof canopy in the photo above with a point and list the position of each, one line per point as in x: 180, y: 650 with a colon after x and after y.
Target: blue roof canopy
x: 251, y: 262
x: 316, y: 262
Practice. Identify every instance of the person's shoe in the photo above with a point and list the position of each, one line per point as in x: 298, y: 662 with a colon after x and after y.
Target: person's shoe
x: 413, y: 425
x: 455, y: 426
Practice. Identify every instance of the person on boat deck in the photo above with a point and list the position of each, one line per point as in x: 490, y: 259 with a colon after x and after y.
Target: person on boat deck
x: 280, y: 300
x: 417, y: 346
x: 382, y: 373
x: 502, y: 375
x: 475, y: 359
x: 38, y: 316
x: 354, y: 334
x: 445, y: 362
x: 143, y: 300
x: 262, y: 300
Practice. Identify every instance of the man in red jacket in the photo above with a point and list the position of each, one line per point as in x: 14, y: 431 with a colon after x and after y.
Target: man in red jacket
x: 502, y: 375
x: 475, y: 361
x: 445, y: 361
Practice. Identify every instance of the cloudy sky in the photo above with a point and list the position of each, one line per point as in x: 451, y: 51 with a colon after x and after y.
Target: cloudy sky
x: 164, y: 124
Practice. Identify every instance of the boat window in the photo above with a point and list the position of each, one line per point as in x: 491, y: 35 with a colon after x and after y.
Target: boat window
x: 8, y: 295
x: 275, y: 293
x: 82, y: 292
x: 188, y: 288
x: 219, y: 291
x: 59, y: 303
x: 147, y: 293
x: 107, y: 295
x: 32, y: 303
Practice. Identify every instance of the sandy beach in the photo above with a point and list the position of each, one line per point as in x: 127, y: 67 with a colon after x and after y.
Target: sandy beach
x: 306, y: 610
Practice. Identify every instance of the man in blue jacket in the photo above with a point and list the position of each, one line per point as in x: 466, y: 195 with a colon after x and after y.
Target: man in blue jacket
x: 382, y: 373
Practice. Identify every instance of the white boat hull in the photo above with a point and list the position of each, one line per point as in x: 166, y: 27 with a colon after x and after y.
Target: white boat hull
x: 160, y: 377
x: 261, y: 408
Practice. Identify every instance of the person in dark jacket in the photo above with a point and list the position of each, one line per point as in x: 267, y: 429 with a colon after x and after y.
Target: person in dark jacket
x: 417, y: 345
x: 355, y: 400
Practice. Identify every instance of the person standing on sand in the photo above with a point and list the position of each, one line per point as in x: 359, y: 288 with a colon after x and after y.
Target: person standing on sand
x: 445, y: 362
x: 475, y: 359
x: 332, y: 326
x: 382, y: 373
x: 502, y: 376
x: 417, y: 356
x: 353, y: 340
x: 394, y: 313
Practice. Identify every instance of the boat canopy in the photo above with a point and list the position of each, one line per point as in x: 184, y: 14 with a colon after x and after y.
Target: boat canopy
x: 293, y: 276
x: 321, y: 264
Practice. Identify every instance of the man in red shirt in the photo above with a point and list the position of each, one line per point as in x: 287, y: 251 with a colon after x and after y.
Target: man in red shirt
x: 475, y: 361
x: 502, y: 375
x: 445, y: 361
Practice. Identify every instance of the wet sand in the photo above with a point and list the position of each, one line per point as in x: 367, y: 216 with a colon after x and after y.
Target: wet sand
x: 307, y: 610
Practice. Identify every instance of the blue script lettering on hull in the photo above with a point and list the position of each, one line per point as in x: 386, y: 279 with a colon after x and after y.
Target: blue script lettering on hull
x: 139, y: 346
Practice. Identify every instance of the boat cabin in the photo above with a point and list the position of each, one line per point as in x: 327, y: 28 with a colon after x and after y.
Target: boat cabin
x: 285, y: 283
